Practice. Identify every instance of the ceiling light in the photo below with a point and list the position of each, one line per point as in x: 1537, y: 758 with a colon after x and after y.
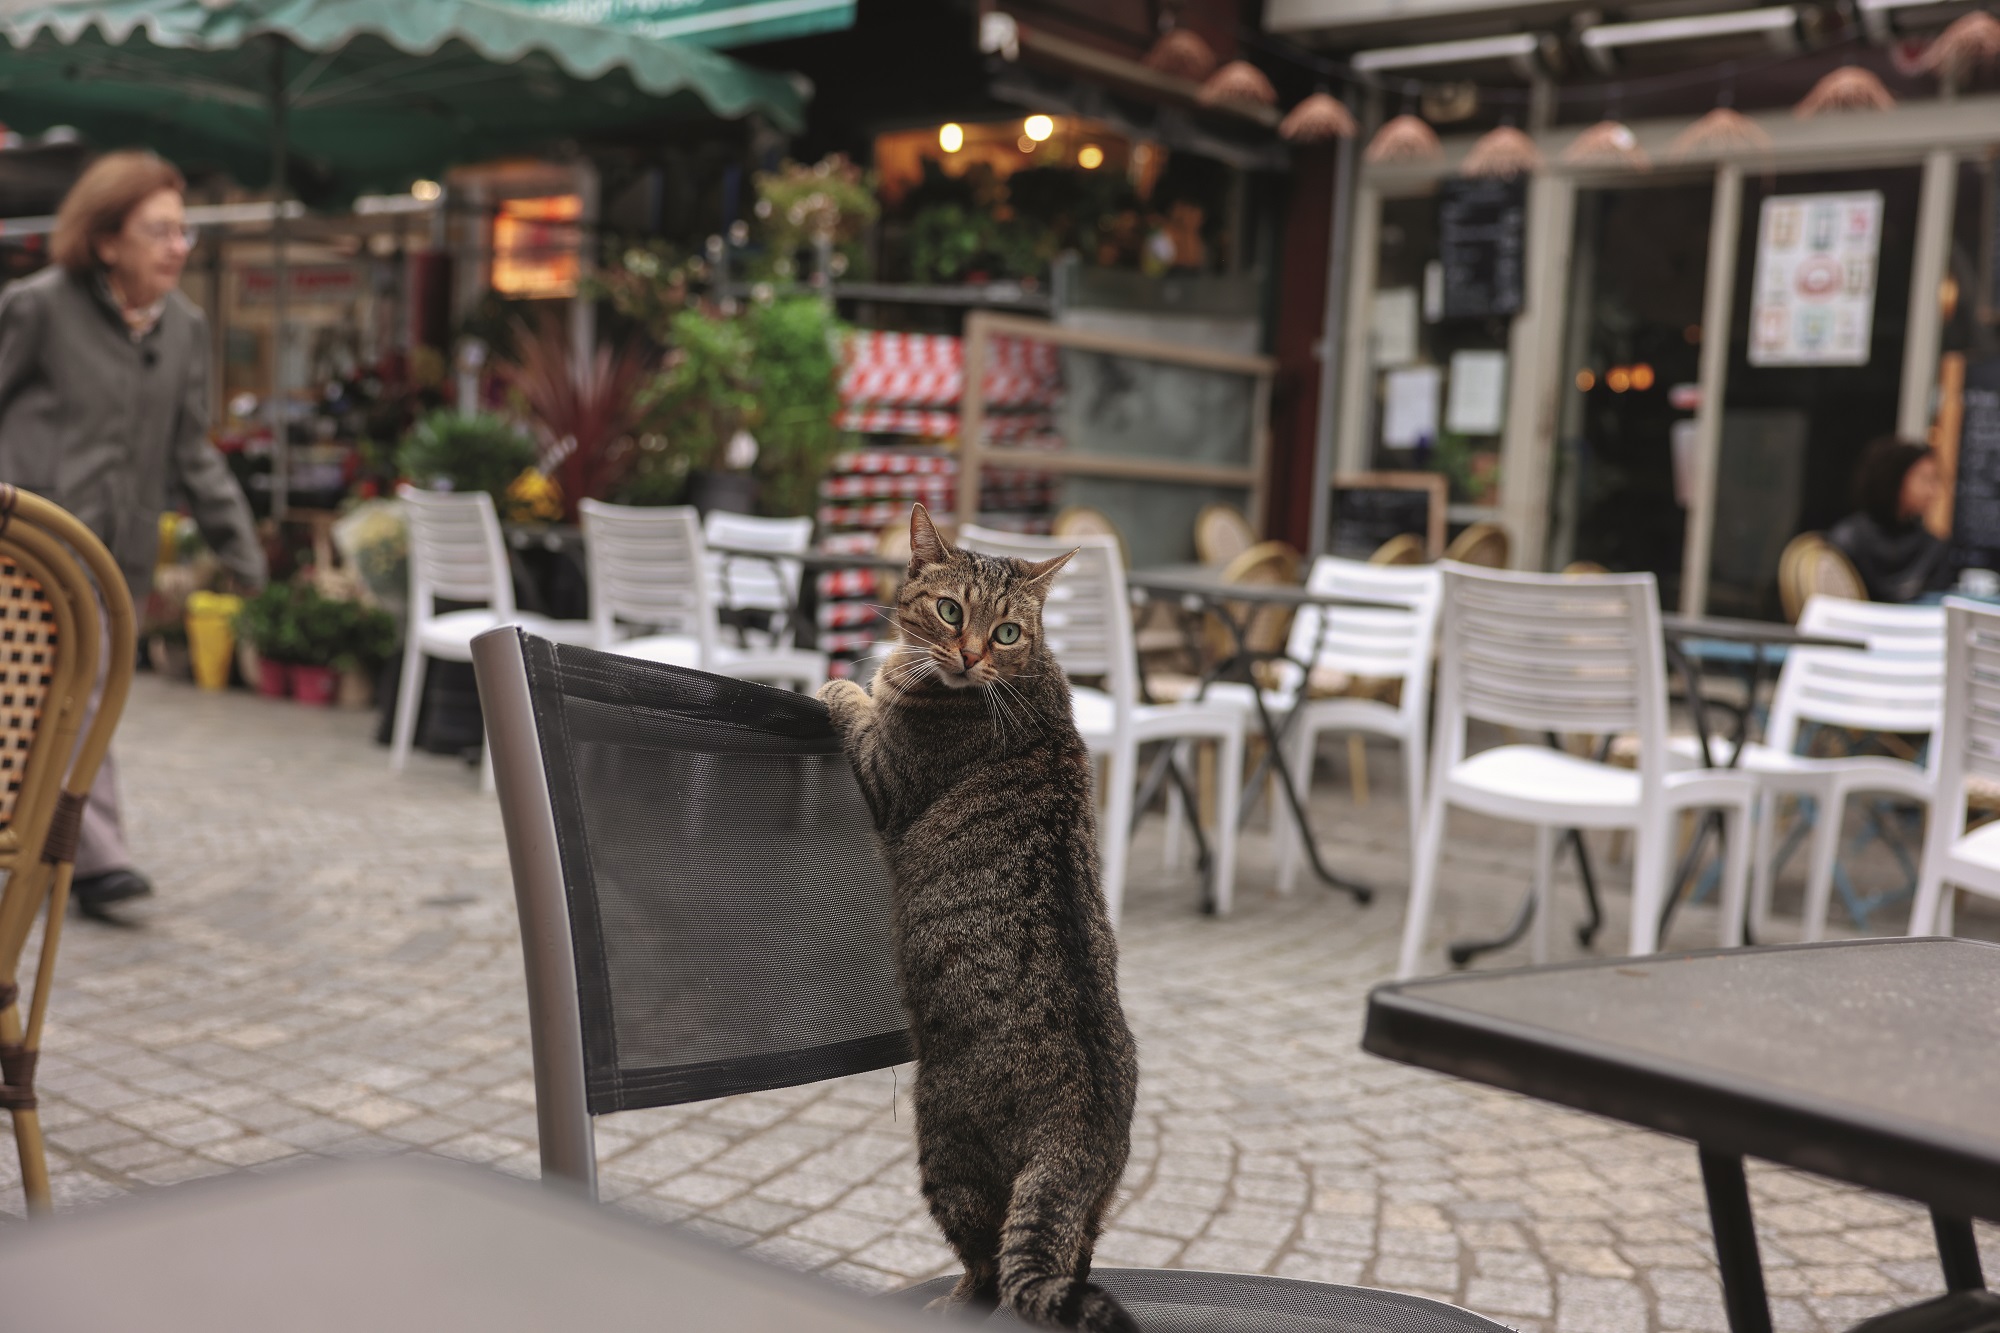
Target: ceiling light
x: 951, y: 137
x: 1038, y: 128
x: 1090, y: 157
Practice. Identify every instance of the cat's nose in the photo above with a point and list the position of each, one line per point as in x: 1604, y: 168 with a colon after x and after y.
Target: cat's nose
x: 971, y: 655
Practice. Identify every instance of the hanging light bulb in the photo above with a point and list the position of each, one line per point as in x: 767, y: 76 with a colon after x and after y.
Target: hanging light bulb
x: 951, y: 137
x: 1038, y: 128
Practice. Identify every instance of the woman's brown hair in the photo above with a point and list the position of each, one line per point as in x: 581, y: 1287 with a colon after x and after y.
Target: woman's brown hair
x: 102, y: 198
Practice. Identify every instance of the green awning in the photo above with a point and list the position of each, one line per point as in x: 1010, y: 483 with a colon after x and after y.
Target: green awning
x: 376, y: 93
x: 720, y: 24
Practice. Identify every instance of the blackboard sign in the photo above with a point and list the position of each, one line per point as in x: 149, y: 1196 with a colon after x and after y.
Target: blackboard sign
x: 1370, y: 508
x: 1482, y: 236
x: 1975, y: 519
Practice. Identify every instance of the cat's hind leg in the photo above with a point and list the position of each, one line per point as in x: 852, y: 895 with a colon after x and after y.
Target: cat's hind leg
x: 970, y: 1210
x: 1052, y: 1225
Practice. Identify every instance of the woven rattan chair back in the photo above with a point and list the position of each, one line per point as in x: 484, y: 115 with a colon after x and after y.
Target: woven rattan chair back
x: 53, y: 575
x: 1484, y: 544
x: 1810, y: 566
x: 1266, y: 563
x: 1221, y: 533
x: 1405, y: 548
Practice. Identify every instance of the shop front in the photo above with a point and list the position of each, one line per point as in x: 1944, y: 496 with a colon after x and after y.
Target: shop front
x: 1669, y: 360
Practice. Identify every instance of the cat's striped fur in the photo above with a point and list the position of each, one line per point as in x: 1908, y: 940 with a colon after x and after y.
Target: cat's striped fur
x: 981, y: 792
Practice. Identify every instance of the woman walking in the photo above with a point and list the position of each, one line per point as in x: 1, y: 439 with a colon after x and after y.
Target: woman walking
x: 104, y: 409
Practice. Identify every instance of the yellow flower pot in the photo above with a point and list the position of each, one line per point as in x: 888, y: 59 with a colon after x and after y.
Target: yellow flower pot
x: 211, y: 630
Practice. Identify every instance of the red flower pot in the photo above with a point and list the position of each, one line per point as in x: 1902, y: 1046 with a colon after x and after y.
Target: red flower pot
x: 274, y: 679
x: 315, y: 685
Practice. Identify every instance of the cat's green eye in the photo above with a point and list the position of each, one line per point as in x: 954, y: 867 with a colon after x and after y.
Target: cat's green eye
x: 950, y: 612
x: 1007, y: 633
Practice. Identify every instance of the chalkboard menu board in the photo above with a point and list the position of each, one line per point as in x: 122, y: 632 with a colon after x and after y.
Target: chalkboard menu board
x: 1370, y: 508
x: 1975, y: 521
x: 1482, y: 236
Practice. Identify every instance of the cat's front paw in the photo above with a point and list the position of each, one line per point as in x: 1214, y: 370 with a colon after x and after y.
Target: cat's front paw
x: 844, y: 701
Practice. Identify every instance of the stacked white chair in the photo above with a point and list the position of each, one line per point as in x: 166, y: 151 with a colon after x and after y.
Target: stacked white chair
x: 1088, y: 621
x: 1895, y: 686
x: 457, y: 553
x: 756, y: 583
x: 1966, y: 746
x: 1383, y: 644
x: 1564, y: 654
x: 649, y: 598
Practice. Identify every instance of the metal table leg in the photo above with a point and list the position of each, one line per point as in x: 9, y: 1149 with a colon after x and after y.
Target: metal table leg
x: 1735, y: 1242
x: 1958, y: 1252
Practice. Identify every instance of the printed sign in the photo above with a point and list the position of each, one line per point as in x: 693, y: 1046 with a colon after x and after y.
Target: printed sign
x: 1814, y: 300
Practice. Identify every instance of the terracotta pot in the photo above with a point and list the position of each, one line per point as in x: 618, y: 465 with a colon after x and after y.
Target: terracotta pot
x: 315, y: 685
x: 357, y: 690
x: 274, y: 679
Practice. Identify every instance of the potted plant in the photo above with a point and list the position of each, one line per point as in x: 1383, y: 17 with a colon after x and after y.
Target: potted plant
x: 323, y: 633
x: 585, y: 413
x: 368, y: 640
x: 704, y: 398
x: 447, y: 451
x: 270, y: 625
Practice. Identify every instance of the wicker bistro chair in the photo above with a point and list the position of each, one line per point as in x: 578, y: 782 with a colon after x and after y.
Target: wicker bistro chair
x: 53, y: 572
x: 703, y: 912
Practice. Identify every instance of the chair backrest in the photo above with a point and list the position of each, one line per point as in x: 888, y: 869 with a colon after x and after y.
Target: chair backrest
x: 456, y: 551
x: 703, y: 908
x: 1371, y: 642
x: 749, y: 583
x: 647, y: 570
x: 1886, y: 628
x: 1893, y: 693
x: 1483, y: 544
x: 1267, y: 564
x: 1405, y: 548
x: 1088, y: 615
x: 1087, y: 521
x: 55, y: 575
x: 1552, y: 653
x: 1968, y: 743
x: 1221, y: 533
x: 1811, y: 566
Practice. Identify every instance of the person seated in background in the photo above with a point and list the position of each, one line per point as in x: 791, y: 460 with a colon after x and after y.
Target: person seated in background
x: 1898, y: 558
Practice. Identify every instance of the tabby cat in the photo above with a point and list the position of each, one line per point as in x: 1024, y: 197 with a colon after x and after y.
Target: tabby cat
x: 981, y: 793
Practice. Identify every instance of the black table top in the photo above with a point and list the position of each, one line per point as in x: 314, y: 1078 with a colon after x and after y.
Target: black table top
x: 1206, y: 582
x: 816, y: 560
x: 1770, y: 633
x: 1871, y: 1061
x: 396, y: 1247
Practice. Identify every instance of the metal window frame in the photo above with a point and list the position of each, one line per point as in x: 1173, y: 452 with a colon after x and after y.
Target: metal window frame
x: 555, y: 1012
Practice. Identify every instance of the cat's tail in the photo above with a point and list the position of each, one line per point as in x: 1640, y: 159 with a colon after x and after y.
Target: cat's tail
x: 1052, y: 1223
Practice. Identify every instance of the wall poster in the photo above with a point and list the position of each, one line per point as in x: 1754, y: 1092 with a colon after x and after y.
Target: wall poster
x: 1814, y: 299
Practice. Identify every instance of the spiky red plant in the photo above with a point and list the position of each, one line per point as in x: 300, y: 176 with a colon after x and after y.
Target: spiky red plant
x: 584, y: 414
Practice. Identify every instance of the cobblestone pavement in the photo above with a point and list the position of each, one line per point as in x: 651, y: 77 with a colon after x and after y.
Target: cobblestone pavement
x: 331, y: 968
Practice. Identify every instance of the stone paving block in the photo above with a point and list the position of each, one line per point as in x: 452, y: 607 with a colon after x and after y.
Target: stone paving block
x: 1498, y: 1297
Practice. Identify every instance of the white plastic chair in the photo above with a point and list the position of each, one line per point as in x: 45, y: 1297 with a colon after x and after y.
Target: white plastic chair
x: 457, y: 553
x: 1966, y: 746
x: 1916, y: 631
x: 649, y: 597
x: 1088, y: 621
x: 1899, y: 691
x: 1364, y: 643
x: 1564, y: 654
x: 748, y: 583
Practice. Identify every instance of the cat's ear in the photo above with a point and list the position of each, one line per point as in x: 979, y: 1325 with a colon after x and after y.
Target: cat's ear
x: 1043, y: 572
x: 927, y: 548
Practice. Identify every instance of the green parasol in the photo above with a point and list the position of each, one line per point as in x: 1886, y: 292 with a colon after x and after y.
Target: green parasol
x: 367, y: 95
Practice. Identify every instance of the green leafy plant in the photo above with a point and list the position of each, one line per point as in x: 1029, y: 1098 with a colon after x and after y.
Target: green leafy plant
x: 648, y: 284
x: 796, y: 371
x: 830, y: 203
x: 708, y: 391
x: 269, y: 624
x: 465, y: 453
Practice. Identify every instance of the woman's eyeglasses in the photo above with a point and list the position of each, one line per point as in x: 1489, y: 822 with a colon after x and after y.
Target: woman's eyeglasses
x: 166, y: 233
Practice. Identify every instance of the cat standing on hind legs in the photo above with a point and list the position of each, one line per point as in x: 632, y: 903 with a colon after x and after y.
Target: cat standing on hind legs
x: 981, y: 791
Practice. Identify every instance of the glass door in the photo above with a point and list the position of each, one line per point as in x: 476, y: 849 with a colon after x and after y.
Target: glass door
x: 1632, y: 346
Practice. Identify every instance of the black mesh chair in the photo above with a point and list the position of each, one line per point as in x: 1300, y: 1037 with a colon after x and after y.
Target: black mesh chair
x: 703, y: 912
